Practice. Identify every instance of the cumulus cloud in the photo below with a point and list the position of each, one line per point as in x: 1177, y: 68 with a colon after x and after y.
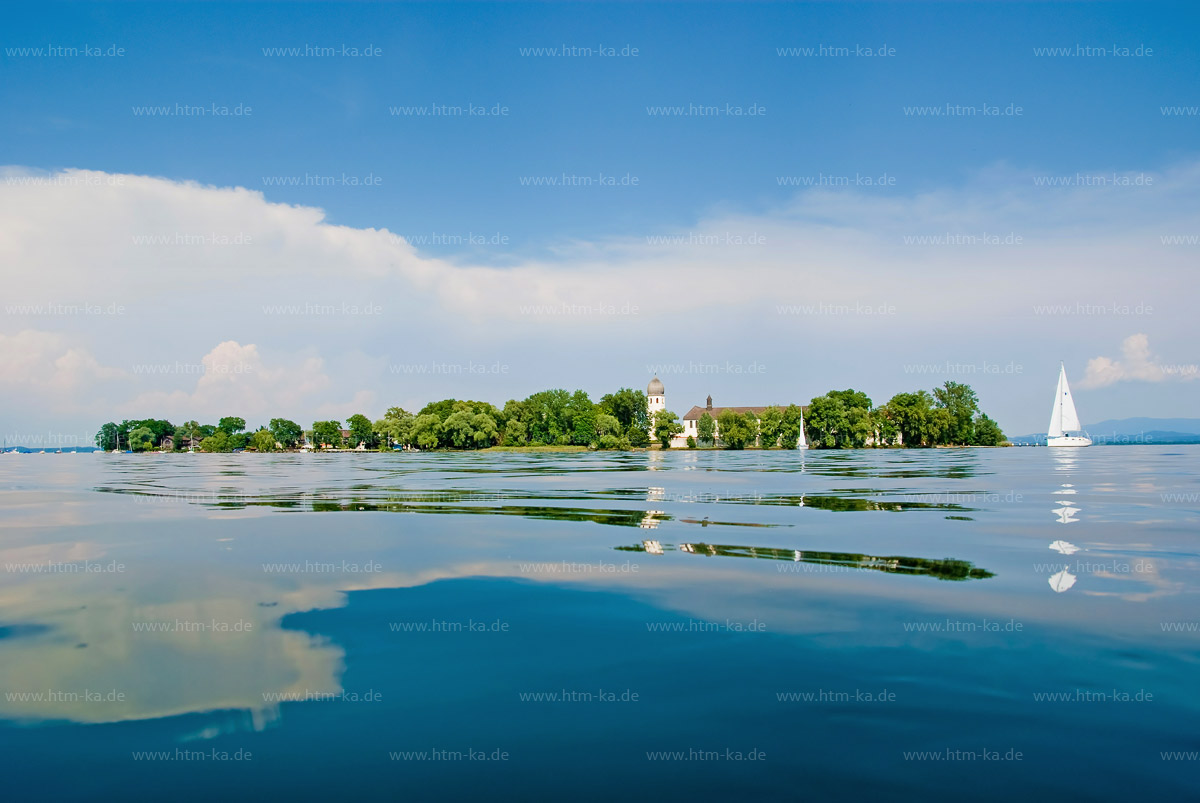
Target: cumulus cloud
x: 233, y: 380
x: 1136, y: 364
x: 196, y: 264
x: 48, y: 363
x: 144, y: 238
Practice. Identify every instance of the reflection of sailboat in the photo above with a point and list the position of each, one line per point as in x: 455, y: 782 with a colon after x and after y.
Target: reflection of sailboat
x: 1065, y: 547
x: 1067, y: 490
x: 1063, y: 417
x: 1062, y: 581
x: 1066, y: 513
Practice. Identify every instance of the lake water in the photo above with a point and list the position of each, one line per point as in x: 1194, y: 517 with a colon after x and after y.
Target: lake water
x: 982, y: 624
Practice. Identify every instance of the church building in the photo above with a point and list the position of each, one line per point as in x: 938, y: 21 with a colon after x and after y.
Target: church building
x: 656, y: 398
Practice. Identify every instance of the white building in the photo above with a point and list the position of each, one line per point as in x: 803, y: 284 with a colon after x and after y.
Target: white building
x: 656, y: 398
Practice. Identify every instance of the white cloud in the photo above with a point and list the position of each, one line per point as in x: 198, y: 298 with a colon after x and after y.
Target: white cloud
x: 46, y: 363
x: 233, y: 380
x: 825, y: 244
x: 1136, y: 364
x: 223, y: 254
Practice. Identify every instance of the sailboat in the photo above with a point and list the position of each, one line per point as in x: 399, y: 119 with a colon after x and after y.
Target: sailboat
x: 802, y: 443
x: 1063, y: 418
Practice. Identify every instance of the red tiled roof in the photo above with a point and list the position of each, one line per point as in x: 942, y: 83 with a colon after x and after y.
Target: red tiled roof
x: 695, y: 413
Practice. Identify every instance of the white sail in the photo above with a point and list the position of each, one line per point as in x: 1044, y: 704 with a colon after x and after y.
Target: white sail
x: 802, y: 443
x: 1056, y: 427
x: 1070, y: 418
x: 1063, y: 417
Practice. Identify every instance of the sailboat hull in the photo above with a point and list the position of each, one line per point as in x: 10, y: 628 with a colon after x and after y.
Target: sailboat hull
x: 1069, y: 440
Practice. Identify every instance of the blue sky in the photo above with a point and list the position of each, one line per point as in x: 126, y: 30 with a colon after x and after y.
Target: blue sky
x: 434, y: 180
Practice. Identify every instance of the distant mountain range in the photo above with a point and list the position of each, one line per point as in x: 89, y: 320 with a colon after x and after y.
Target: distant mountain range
x: 1126, y: 431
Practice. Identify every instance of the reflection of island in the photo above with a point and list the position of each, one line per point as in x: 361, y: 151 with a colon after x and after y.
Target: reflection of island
x: 943, y: 569
x: 652, y: 518
x: 508, y: 501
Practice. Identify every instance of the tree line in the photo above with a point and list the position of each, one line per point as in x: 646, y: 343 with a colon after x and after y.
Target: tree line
x: 949, y: 416
x: 556, y: 417
x: 846, y: 419
x: 840, y: 419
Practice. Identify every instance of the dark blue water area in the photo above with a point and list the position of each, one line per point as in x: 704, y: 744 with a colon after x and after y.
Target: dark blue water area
x: 711, y: 697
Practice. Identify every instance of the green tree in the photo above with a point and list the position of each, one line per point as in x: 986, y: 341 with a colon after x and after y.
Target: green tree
x: 580, y: 421
x: 941, y: 426
x: 736, y: 431
x: 484, y: 432
x: 327, y: 434
x: 141, y: 439
x: 841, y: 419
x: 911, y: 415
x: 159, y: 428
x: 361, y: 430
x: 187, y: 434
x: 217, y: 442
x: 706, y: 429
x: 987, y: 432
x: 885, y: 428
x: 861, y: 426
x: 827, y: 422
x: 286, y: 432
x: 637, y: 437
x: 770, y: 427
x: 106, y: 438
x: 607, y: 425
x: 666, y: 426
x: 458, y: 430
x: 515, y: 433
x: 395, y: 426
x: 962, y: 404
x: 231, y: 425
x: 789, y: 428
x: 263, y: 440
x: 546, y: 415
x: 426, y: 431
x: 691, y: 442
x: 610, y: 441
x: 630, y: 407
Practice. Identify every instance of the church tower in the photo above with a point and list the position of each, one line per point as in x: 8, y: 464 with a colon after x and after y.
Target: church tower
x: 656, y: 399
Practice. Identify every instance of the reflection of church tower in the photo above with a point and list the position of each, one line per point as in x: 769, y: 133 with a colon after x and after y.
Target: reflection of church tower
x: 656, y: 399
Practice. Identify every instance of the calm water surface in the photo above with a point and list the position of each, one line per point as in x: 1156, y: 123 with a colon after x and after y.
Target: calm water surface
x: 983, y: 624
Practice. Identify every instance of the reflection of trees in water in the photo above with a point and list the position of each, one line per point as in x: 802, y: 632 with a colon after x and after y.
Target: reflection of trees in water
x: 472, y: 501
x: 942, y: 569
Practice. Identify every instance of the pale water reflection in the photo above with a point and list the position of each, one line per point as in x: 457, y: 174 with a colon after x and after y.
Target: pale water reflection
x: 243, y: 601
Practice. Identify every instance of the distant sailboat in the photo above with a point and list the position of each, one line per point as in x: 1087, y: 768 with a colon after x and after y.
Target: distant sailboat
x: 802, y: 443
x: 1063, y: 418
